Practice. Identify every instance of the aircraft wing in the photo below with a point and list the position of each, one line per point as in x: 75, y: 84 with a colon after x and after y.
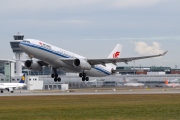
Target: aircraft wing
x: 69, y: 61
x: 116, y: 60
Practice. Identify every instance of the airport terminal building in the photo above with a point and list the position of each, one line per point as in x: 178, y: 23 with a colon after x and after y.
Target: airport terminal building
x: 150, y: 76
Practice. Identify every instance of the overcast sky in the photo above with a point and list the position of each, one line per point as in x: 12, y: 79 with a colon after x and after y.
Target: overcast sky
x: 92, y: 28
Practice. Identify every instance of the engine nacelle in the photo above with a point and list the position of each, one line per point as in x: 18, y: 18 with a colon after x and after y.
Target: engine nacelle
x: 33, y: 65
x: 82, y: 64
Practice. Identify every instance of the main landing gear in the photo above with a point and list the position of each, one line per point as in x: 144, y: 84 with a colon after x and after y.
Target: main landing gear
x: 83, y: 75
x: 56, y: 78
x: 55, y: 75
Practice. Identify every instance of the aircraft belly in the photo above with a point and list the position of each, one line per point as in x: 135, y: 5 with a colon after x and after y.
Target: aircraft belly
x: 51, y: 59
x: 95, y: 73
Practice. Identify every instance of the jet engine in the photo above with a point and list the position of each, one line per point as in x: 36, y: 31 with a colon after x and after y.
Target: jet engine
x: 81, y: 63
x: 33, y: 65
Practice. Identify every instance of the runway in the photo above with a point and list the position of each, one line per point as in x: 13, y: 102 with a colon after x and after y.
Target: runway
x: 91, y: 92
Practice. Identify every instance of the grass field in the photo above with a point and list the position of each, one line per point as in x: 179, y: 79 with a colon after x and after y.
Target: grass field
x: 91, y: 107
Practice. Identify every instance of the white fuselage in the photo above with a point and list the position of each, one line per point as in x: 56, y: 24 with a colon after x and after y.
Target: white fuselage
x: 12, y: 85
x: 134, y: 84
x: 173, y: 85
x: 54, y: 56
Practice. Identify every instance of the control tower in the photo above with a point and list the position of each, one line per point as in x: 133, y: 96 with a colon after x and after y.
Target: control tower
x: 18, y: 52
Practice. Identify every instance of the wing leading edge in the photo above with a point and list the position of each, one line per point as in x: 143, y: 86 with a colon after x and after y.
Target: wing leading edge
x: 116, y: 60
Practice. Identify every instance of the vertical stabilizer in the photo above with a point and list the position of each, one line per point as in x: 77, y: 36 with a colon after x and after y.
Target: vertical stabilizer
x: 116, y: 51
x: 166, y: 81
x: 115, y: 54
x: 22, y: 79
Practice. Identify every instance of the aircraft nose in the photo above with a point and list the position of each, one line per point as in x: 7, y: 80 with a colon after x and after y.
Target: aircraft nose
x: 24, y: 47
x: 21, y: 45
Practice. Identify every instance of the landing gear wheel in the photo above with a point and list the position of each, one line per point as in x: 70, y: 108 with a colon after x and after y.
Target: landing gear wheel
x: 83, y: 78
x: 59, y: 79
x: 56, y: 75
x: 1, y: 91
x: 52, y: 75
x: 12, y: 91
x: 55, y: 79
x: 87, y: 78
x: 80, y: 74
x: 84, y: 74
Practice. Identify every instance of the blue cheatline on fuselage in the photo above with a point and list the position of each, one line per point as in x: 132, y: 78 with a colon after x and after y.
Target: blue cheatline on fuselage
x: 61, y: 55
x: 102, y: 70
x: 45, y: 49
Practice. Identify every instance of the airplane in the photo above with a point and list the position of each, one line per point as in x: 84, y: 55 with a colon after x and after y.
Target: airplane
x: 172, y: 83
x: 132, y: 83
x: 58, y: 58
x: 11, y: 86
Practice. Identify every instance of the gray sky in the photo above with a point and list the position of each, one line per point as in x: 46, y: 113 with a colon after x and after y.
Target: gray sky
x: 92, y: 28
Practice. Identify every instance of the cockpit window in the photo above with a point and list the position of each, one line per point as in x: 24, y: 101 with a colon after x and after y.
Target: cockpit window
x: 26, y: 41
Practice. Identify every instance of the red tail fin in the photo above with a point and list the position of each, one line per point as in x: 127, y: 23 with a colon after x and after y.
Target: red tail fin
x: 166, y: 81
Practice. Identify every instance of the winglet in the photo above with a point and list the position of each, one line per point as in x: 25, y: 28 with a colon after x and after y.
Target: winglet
x: 163, y: 53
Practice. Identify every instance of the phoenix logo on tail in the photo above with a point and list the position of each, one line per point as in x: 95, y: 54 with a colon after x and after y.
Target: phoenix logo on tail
x: 116, y: 54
